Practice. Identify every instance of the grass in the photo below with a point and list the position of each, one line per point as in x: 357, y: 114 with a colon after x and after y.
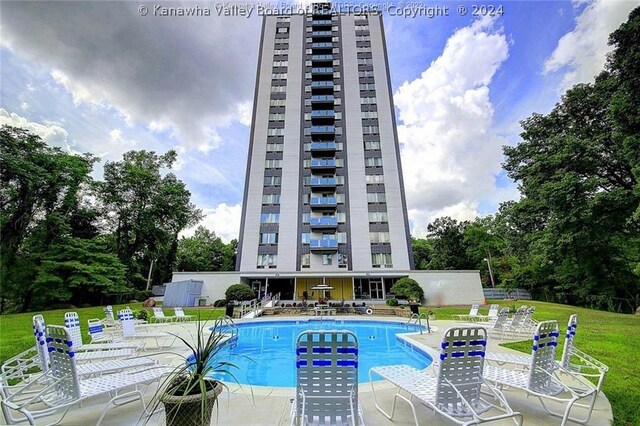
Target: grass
x: 16, y: 335
x: 611, y: 338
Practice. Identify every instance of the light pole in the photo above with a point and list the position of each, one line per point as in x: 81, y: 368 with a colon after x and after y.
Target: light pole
x: 488, y: 260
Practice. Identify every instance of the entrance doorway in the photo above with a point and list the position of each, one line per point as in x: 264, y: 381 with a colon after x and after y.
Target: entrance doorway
x: 376, y: 288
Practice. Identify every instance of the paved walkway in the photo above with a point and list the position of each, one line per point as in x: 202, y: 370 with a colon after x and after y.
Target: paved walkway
x: 271, y: 406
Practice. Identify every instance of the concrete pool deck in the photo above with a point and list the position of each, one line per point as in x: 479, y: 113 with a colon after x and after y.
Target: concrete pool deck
x: 272, y: 405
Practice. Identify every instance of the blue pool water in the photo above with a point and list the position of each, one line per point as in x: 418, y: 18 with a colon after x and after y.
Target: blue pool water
x: 265, y: 351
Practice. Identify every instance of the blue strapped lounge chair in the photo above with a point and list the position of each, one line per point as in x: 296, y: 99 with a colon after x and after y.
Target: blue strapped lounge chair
x: 163, y: 340
x: 72, y: 322
x: 64, y: 388
x: 456, y: 392
x: 327, y: 379
x: 541, y: 378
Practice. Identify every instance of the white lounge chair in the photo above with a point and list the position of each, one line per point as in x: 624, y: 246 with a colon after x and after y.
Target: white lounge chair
x: 162, y: 339
x: 471, y: 316
x: 72, y: 322
x: 541, y: 378
x: 179, y: 314
x: 491, y: 315
x: 456, y: 391
x: 326, y: 379
x: 159, y: 316
x: 588, y: 366
x: 65, y: 389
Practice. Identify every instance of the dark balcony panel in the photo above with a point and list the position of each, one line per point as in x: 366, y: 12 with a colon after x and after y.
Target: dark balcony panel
x: 323, y: 130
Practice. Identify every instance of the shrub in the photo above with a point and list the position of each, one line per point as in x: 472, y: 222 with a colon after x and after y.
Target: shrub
x: 220, y: 303
x: 392, y: 302
x: 239, y: 292
x: 409, y: 288
x: 142, y: 314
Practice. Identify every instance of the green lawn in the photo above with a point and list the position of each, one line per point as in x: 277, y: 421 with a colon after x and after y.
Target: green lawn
x: 16, y: 329
x: 611, y: 338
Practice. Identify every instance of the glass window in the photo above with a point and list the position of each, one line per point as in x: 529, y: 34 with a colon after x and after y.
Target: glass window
x: 327, y: 259
x: 379, y: 237
x: 341, y: 217
x: 376, y: 197
x: 342, y: 260
x: 271, y: 199
x: 378, y: 217
x: 305, y: 237
x: 269, y: 217
x: 273, y: 164
x: 269, y: 260
x: 268, y: 238
x: 341, y: 237
x: 274, y: 147
x: 275, y: 132
x: 306, y: 218
x: 374, y: 179
x: 372, y: 146
x: 373, y: 162
x: 305, y: 260
x: 272, y: 180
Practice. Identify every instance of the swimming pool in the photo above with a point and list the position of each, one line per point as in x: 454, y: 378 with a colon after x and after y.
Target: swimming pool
x: 265, y: 351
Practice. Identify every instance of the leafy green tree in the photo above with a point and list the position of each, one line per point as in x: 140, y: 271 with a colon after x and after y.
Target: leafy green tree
x: 577, y: 169
x: 449, y: 251
x: 239, y: 292
x: 408, y: 288
x: 41, y: 195
x: 422, y: 252
x: 204, y: 251
x: 145, y: 210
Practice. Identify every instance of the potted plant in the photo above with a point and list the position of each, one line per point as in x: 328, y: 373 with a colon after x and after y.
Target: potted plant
x: 190, y: 393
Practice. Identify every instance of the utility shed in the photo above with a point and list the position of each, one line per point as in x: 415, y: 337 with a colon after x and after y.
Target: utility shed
x: 182, y: 293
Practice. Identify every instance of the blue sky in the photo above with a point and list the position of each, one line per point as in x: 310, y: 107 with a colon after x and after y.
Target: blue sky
x: 98, y: 77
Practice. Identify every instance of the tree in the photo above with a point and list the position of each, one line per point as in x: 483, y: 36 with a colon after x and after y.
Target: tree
x: 145, y: 210
x: 204, y: 251
x: 448, y: 244
x: 577, y: 170
x: 408, y: 288
x: 422, y: 252
x: 239, y: 292
x: 41, y: 195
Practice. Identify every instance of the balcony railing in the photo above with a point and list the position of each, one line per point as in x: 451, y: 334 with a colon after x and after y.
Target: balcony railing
x: 323, y: 202
x: 322, y: 70
x: 321, y: 33
x: 321, y: 58
x: 323, y: 164
x: 322, y: 98
x: 322, y: 84
x: 322, y: 182
x: 324, y: 147
x: 323, y: 113
x: 324, y: 245
x: 322, y: 45
x: 318, y: 130
x: 321, y: 22
x: 323, y: 222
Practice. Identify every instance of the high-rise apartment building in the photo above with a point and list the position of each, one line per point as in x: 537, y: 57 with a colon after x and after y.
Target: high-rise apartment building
x: 324, y: 198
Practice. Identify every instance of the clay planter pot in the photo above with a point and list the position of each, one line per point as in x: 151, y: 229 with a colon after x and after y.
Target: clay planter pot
x: 185, y: 410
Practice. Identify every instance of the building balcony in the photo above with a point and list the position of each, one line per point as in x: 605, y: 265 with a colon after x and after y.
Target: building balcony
x: 323, y: 148
x: 323, y: 203
x: 322, y: 99
x: 322, y: 84
x: 322, y: 130
x: 322, y: 71
x: 323, y: 116
x: 325, y: 222
x: 322, y: 183
x: 324, y: 246
x: 322, y: 45
x: 323, y: 165
x: 321, y: 23
x: 321, y: 34
x: 322, y: 58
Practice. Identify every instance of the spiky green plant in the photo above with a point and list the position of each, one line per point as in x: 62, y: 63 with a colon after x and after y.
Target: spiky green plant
x: 195, y: 375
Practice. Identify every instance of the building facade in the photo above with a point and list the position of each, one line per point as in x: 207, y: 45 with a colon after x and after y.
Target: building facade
x: 324, y: 198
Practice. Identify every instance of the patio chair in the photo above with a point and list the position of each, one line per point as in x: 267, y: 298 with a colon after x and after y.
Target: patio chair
x: 162, y: 339
x: 72, y: 322
x: 587, y: 365
x: 179, y: 315
x: 65, y: 388
x: 159, y: 316
x: 491, y: 315
x: 471, y: 316
x: 109, y: 319
x: 541, y: 379
x: 326, y: 379
x: 458, y: 390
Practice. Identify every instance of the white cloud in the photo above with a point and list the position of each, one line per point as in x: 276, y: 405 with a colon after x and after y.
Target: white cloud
x: 52, y: 134
x: 581, y: 53
x: 224, y: 220
x: 450, y: 152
